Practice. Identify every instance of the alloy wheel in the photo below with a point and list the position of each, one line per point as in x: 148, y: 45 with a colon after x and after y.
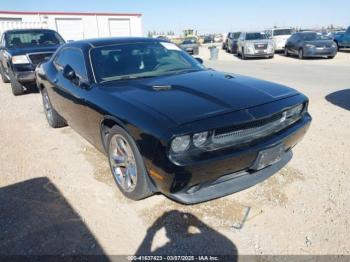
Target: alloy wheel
x: 123, y: 163
x: 47, y: 107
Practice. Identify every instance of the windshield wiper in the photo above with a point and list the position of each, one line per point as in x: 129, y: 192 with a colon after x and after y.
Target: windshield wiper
x: 126, y: 77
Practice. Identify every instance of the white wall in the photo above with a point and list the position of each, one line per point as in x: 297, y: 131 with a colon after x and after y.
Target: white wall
x: 94, y: 25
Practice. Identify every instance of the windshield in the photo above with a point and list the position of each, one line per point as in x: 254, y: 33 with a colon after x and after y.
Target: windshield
x: 189, y: 41
x: 255, y: 36
x: 23, y: 39
x: 140, y: 60
x: 236, y: 35
x: 278, y: 32
x: 314, y: 36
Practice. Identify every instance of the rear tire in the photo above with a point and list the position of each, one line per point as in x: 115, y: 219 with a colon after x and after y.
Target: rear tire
x: 3, y: 77
x: 17, y: 87
x: 53, y: 118
x: 127, y: 165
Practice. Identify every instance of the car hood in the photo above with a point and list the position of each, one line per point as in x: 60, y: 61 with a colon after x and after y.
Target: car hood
x: 189, y: 45
x: 320, y: 42
x: 39, y: 49
x: 193, y: 96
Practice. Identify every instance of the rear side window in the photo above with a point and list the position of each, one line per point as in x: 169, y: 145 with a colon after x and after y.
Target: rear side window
x: 73, y: 57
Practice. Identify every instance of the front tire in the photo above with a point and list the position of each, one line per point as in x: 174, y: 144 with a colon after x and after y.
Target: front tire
x: 3, y: 77
x: 127, y: 165
x: 53, y: 118
x: 17, y: 87
x: 301, y: 54
x: 286, y: 53
x: 243, y: 54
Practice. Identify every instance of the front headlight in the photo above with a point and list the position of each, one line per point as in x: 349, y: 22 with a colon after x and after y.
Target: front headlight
x: 20, y: 59
x: 180, y: 144
x: 199, y: 139
x: 310, y: 46
x: 295, y: 111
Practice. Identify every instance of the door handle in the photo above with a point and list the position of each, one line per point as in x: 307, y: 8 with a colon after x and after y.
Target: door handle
x: 55, y: 80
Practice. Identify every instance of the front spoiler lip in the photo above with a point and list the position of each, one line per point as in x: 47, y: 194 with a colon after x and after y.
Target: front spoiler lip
x: 236, y: 184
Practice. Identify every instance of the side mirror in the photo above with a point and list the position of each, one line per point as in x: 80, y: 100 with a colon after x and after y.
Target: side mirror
x: 200, y: 60
x: 69, y: 73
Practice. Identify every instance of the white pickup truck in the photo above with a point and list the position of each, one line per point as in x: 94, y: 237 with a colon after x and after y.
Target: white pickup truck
x: 279, y: 37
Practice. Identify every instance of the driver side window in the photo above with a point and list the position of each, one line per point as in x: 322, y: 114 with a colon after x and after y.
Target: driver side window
x: 73, y: 57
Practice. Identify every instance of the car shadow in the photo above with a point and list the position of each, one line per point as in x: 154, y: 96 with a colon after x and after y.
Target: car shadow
x: 187, y: 235
x: 31, y: 89
x: 35, y: 219
x: 340, y: 98
x: 305, y: 58
x: 344, y: 51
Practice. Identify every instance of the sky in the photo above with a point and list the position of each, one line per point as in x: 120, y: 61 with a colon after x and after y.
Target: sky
x: 206, y: 16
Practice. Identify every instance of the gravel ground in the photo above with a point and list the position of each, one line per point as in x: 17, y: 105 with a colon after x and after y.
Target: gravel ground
x: 57, y: 195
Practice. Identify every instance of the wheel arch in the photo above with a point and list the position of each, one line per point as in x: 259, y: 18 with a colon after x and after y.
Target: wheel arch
x: 106, y: 124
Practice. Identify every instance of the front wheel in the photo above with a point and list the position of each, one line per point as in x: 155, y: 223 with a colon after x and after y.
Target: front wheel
x: 243, y: 54
x: 127, y: 165
x: 301, y: 53
x: 17, y: 87
x: 286, y: 53
x: 3, y: 76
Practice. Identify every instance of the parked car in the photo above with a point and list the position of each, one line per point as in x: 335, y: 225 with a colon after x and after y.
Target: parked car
x: 218, y: 38
x: 190, y: 45
x: 279, y: 37
x: 208, y: 39
x: 232, y: 42
x: 168, y: 124
x: 224, y: 42
x: 254, y: 44
x: 21, y: 51
x: 343, y: 40
x: 310, y: 44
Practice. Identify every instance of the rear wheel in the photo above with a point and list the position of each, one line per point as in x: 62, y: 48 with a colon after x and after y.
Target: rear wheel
x: 301, y: 53
x: 127, y: 165
x: 53, y: 118
x: 17, y: 87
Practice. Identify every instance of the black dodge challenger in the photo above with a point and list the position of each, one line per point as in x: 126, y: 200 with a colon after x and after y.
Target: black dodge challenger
x: 167, y: 123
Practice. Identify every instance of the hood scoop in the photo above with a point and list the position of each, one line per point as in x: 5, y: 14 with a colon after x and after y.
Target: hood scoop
x: 162, y: 87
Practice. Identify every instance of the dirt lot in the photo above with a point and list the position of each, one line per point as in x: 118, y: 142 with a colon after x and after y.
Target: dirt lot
x: 57, y: 194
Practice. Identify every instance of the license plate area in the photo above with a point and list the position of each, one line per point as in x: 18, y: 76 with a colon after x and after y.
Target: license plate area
x: 268, y: 157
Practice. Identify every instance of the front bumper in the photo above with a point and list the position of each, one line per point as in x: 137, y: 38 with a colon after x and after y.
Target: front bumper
x: 232, y: 172
x: 314, y: 52
x: 260, y: 54
x: 25, y: 77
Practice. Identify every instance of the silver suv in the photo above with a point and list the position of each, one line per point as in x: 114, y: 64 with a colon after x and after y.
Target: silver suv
x: 255, y: 44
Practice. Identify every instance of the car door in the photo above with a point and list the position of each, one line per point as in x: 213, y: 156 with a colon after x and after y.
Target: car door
x: 346, y: 38
x: 69, y: 95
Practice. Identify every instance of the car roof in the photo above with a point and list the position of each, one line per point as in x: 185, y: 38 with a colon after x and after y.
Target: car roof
x: 97, y: 42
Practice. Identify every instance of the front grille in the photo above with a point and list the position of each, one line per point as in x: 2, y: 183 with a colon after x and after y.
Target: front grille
x: 39, y: 57
x: 260, y: 46
x: 252, y: 124
x: 252, y: 131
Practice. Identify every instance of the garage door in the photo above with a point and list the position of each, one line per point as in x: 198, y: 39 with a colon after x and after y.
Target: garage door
x: 119, y: 27
x: 70, y: 29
